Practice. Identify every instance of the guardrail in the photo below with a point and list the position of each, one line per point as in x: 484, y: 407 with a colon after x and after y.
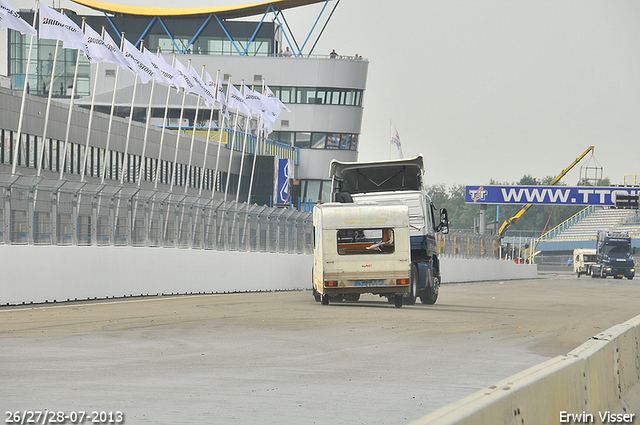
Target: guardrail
x: 598, y: 382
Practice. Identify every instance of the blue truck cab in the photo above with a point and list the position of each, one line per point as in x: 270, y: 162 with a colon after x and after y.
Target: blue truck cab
x: 613, y: 256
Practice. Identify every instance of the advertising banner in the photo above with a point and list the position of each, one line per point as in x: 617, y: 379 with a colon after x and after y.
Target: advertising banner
x: 546, y: 195
x: 285, y: 172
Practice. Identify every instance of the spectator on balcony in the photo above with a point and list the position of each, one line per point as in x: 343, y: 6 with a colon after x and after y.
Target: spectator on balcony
x: 333, y: 54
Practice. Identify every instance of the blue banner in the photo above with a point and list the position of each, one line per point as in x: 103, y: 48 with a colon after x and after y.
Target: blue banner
x: 285, y: 172
x: 546, y: 195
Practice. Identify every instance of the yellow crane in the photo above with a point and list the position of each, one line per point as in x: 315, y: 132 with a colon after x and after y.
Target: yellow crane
x: 523, y: 210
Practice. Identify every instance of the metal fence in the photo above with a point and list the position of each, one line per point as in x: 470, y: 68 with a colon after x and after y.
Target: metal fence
x: 63, y: 213
x: 59, y: 213
x: 469, y: 245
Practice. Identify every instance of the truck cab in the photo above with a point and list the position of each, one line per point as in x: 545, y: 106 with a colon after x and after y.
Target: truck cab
x: 613, y: 256
x: 399, y: 182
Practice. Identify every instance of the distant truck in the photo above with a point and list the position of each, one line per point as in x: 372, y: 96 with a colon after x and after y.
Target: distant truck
x: 371, y: 185
x: 360, y: 249
x: 583, y: 259
x: 613, y: 256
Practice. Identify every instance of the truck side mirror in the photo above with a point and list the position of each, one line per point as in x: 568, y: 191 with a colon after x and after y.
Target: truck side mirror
x: 443, y: 227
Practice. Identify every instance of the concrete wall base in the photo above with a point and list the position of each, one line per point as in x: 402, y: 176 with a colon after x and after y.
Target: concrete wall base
x: 37, y: 274
x: 474, y: 270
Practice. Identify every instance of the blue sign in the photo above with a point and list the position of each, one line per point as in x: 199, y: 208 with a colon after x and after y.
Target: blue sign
x: 285, y: 172
x: 546, y: 195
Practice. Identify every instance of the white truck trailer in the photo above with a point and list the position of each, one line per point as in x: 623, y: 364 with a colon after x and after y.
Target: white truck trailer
x: 583, y: 259
x: 361, y: 249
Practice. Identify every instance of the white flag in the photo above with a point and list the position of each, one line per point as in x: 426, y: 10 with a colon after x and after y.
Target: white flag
x: 138, y: 62
x: 163, y: 72
x: 221, y: 99
x: 395, y: 140
x: 117, y: 53
x: 207, y: 95
x: 273, y: 98
x: 11, y: 19
x: 259, y: 104
x: 184, y: 79
x: 236, y: 101
x: 56, y: 26
x: 97, y: 48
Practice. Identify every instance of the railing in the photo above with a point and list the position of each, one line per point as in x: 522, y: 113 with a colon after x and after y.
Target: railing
x: 565, y: 224
x: 55, y: 214
x: 469, y: 245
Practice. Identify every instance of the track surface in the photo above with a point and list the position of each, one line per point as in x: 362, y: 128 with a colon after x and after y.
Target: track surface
x: 281, y: 358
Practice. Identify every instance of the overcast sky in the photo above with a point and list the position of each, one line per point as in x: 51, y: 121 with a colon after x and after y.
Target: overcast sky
x: 488, y: 89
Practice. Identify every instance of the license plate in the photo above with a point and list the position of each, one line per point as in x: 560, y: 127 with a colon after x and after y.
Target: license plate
x: 374, y: 282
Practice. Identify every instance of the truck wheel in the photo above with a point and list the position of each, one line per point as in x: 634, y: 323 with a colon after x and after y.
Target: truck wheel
x: 410, y: 298
x: 351, y: 297
x: 430, y: 294
x: 325, y: 299
x: 398, y: 300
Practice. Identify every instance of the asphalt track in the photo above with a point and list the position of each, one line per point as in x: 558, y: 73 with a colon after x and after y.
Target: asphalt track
x: 281, y: 358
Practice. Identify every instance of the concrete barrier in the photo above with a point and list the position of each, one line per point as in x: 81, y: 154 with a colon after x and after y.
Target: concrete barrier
x: 47, y: 273
x: 455, y: 269
x: 598, y: 382
x: 36, y: 274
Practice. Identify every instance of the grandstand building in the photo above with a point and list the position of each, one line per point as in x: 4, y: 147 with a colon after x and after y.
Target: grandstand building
x: 325, y: 96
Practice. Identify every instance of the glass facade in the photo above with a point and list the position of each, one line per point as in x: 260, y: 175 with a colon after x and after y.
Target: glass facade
x: 318, y: 95
x: 42, y: 66
x: 316, y: 140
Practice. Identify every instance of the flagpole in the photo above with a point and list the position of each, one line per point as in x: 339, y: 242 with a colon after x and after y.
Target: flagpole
x: 164, y: 126
x: 233, y: 139
x: 113, y: 102
x: 193, y: 138
x: 244, y: 145
x: 93, y: 98
x: 390, y: 137
x: 48, y: 108
x: 71, y: 101
x: 16, y: 145
x: 255, y: 151
x: 146, y: 128
x: 222, y: 118
x: 125, y: 159
x: 175, y: 158
x: 206, y: 146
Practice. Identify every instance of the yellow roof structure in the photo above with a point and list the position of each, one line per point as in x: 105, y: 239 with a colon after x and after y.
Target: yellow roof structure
x: 223, y: 12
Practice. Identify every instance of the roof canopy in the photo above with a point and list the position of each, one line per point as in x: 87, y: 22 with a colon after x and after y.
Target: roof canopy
x: 223, y: 12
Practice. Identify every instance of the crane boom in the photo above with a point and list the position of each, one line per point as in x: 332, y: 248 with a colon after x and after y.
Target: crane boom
x: 524, y: 209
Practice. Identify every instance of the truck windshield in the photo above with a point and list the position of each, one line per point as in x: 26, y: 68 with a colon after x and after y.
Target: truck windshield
x: 616, y: 249
x: 589, y: 258
x: 365, y: 241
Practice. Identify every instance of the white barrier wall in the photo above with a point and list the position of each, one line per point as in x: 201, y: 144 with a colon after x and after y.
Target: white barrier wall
x: 455, y: 269
x: 599, y: 382
x: 47, y: 273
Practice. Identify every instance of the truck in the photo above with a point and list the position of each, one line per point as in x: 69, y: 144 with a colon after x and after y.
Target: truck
x: 360, y: 249
x: 583, y: 259
x: 613, y: 256
x: 397, y: 182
